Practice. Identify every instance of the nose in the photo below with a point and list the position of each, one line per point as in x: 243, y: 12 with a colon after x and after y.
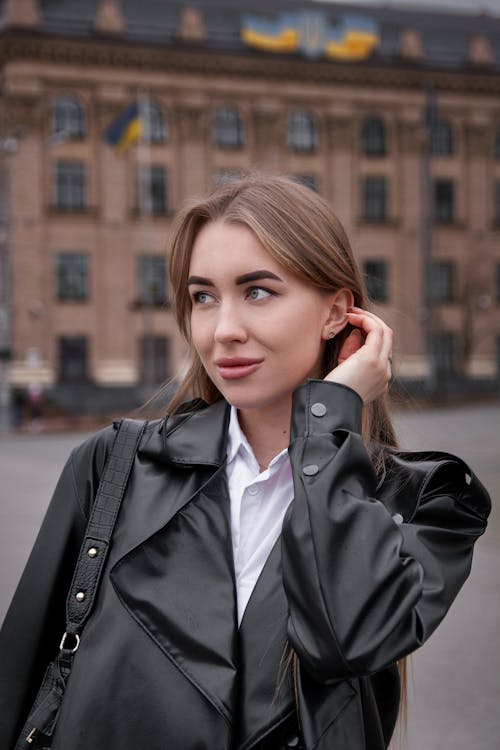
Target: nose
x: 229, y: 326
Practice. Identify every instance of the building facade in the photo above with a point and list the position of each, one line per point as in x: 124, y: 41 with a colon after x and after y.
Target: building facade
x: 403, y: 140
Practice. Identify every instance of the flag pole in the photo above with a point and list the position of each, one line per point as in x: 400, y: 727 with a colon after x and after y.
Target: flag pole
x: 428, y: 327
x: 145, y: 234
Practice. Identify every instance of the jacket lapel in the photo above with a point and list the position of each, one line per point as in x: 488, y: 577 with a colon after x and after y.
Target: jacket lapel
x: 177, y: 580
x: 266, y: 693
x: 179, y: 586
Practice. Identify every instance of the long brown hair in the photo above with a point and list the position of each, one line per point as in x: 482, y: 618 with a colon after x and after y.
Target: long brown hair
x: 300, y: 231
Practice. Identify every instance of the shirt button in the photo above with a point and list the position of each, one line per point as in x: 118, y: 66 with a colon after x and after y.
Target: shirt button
x: 398, y: 518
x: 253, y: 489
x: 310, y: 470
x: 318, y: 409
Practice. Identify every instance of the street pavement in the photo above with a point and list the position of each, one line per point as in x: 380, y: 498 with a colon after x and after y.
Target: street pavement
x: 454, y: 689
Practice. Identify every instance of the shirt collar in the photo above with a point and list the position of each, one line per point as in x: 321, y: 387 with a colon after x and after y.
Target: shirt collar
x: 238, y: 443
x: 236, y: 439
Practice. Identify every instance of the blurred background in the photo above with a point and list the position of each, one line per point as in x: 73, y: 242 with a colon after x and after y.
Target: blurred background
x: 114, y: 112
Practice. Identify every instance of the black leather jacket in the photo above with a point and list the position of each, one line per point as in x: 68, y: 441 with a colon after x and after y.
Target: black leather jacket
x: 364, y: 571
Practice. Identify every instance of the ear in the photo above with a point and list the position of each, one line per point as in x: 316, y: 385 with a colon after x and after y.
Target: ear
x: 338, y: 304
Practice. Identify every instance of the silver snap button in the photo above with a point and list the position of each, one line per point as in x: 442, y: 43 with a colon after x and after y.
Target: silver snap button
x: 80, y: 596
x: 92, y: 552
x: 318, y: 409
x: 398, y: 518
x: 310, y: 470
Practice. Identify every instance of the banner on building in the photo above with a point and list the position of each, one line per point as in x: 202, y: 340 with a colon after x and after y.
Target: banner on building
x: 312, y: 34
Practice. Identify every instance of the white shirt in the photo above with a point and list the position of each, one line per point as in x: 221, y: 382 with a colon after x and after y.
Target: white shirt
x: 258, y: 504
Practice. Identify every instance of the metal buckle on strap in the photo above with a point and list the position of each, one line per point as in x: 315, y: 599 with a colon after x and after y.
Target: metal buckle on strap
x: 62, y: 645
x: 31, y: 736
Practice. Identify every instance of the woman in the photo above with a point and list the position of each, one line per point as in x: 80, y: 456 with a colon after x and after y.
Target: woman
x: 275, y: 557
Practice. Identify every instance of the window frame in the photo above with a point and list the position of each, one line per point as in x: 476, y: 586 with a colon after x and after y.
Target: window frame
x: 63, y: 257
x: 302, y: 131
x: 369, y: 215
x: 156, y: 130
x: 62, y: 360
x: 442, y: 139
x: 147, y: 175
x: 377, y: 285
x: 67, y: 117
x: 159, y: 297
x: 69, y: 191
x: 443, y: 289
x: 373, y: 137
x: 227, y: 128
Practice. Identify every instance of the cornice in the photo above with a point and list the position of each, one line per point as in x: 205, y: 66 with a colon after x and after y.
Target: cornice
x: 182, y: 59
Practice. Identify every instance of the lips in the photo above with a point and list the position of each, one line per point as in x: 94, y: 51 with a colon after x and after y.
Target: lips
x: 234, y: 368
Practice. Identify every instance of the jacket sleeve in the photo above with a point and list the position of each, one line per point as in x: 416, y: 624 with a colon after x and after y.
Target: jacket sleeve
x: 35, y: 621
x: 364, y: 590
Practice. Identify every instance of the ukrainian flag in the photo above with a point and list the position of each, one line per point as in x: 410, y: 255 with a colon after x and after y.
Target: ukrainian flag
x: 126, y: 129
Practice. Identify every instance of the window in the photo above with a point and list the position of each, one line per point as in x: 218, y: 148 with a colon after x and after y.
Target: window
x: 301, y: 132
x: 67, y: 118
x: 69, y: 186
x: 496, y: 207
x: 444, y: 352
x: 309, y: 180
x: 152, y: 280
x: 442, y: 281
x: 373, y: 137
x: 444, y: 201
x: 375, y: 272
x: 155, y: 124
x: 154, y: 359
x: 374, y: 198
x: 227, y: 128
x: 151, y: 190
x: 71, y: 276
x: 73, y: 357
x: 496, y: 145
x: 441, y: 142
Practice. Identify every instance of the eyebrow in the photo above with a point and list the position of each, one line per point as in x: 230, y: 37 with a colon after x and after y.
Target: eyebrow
x: 244, y: 279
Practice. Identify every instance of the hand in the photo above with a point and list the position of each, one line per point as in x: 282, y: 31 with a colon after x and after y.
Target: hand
x: 365, y: 366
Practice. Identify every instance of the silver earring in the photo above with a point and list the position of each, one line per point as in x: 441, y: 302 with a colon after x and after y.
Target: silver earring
x: 331, y: 335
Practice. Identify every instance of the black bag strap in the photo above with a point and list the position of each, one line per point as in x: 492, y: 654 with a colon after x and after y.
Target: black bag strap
x: 39, y: 727
x: 105, y: 508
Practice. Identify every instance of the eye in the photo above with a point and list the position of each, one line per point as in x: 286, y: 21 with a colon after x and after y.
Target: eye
x: 258, y: 292
x: 202, y: 298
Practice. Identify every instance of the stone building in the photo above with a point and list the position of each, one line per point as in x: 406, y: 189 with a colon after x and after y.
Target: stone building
x: 401, y: 136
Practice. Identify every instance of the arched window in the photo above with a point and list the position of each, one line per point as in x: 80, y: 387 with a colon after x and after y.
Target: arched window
x: 301, y: 131
x: 155, y: 122
x: 496, y: 145
x: 228, y: 128
x: 67, y: 118
x: 373, y: 137
x: 441, y: 141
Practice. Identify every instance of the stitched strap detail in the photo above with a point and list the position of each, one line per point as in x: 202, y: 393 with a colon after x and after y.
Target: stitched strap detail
x: 102, y: 521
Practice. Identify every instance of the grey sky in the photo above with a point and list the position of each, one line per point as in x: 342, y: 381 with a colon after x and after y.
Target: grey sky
x: 463, y: 6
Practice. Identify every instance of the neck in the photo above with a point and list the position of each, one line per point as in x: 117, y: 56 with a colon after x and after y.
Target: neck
x: 267, y: 430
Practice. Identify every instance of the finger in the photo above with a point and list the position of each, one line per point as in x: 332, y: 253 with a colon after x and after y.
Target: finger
x: 381, y: 333
x: 351, y: 345
x: 372, y: 327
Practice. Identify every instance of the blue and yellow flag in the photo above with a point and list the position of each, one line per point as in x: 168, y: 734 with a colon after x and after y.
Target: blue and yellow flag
x: 126, y: 129
x: 312, y: 34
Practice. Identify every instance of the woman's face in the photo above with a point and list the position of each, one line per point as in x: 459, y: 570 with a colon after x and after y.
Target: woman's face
x: 259, y: 330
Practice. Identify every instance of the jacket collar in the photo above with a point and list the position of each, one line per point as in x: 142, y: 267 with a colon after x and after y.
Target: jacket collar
x: 195, y: 438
